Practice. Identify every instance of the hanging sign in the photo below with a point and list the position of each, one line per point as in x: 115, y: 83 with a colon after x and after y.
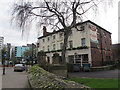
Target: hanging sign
x: 93, y: 34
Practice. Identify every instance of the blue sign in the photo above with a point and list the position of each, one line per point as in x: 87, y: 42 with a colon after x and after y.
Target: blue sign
x: 5, y: 55
x: 27, y: 57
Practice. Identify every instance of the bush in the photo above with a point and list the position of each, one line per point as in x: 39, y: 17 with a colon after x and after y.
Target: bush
x: 74, y: 48
x: 53, y: 51
x: 82, y: 47
x: 69, y: 49
x: 59, y: 50
x: 47, y: 52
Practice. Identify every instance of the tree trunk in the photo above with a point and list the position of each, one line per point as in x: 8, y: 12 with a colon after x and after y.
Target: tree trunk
x: 66, y: 34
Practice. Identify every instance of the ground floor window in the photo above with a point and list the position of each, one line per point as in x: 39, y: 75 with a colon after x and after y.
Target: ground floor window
x: 71, y: 59
x: 78, y: 58
x: 85, y: 58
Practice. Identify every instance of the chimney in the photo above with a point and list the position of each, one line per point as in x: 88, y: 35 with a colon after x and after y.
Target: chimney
x: 44, y: 31
x: 54, y: 30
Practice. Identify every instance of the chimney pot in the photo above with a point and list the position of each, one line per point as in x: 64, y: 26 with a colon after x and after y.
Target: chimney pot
x: 44, y: 31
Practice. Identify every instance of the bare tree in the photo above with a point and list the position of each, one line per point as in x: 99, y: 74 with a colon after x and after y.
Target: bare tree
x: 59, y: 14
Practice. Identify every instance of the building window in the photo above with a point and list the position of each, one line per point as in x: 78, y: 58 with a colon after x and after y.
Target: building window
x: 71, y: 59
x: 54, y: 37
x: 85, y: 58
x: 104, y: 33
x: 43, y: 40
x: 110, y: 36
x: 83, y: 42
x: 54, y: 47
x: 109, y: 57
x: 48, y: 48
x: 37, y: 45
x: 60, y: 35
x: 48, y: 38
x: 98, y: 41
x: 61, y: 45
x: 43, y: 48
x: 71, y: 44
x: 110, y: 42
x: 82, y: 28
x: 105, y: 45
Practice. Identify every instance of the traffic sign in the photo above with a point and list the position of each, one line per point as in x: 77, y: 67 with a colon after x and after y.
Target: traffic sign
x: 27, y: 57
x: 5, y: 55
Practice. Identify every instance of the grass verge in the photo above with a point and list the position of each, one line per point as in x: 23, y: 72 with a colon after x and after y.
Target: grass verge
x: 97, y: 83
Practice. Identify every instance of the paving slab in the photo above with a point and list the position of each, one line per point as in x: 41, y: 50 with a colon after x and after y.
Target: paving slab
x: 15, y: 79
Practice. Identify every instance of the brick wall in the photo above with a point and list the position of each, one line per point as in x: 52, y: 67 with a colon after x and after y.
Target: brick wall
x: 96, y: 57
x: 102, y: 49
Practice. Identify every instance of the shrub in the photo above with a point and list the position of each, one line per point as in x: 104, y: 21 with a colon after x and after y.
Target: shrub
x: 69, y: 49
x: 59, y: 50
x: 53, y: 51
x: 74, y: 48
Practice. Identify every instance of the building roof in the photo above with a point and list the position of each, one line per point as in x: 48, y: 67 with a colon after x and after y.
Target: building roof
x: 61, y: 30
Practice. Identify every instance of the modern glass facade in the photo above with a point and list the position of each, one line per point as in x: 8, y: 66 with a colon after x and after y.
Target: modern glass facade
x: 19, y: 51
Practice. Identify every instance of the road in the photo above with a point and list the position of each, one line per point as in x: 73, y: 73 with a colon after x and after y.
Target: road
x: 96, y: 74
x: 15, y: 79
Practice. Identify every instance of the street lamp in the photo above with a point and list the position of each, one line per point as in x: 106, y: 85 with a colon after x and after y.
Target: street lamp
x: 4, y: 63
x: 32, y: 53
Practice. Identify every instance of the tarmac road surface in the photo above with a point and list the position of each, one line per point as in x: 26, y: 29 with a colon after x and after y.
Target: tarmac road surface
x: 97, y: 74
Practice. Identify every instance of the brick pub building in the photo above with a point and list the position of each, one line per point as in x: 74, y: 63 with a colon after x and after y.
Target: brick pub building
x: 88, y: 43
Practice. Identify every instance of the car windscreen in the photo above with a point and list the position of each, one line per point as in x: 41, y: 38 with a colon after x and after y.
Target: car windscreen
x: 19, y: 65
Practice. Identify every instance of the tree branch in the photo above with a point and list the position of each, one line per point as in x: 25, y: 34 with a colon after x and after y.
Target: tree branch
x: 56, y: 13
x: 38, y: 15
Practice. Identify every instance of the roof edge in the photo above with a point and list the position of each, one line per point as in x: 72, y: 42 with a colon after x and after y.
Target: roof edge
x: 76, y: 25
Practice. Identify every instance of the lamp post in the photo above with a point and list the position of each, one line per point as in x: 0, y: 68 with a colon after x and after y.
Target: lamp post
x: 4, y: 63
x: 32, y: 54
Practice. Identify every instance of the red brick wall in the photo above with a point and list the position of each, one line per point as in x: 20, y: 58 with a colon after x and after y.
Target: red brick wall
x: 96, y: 57
x: 103, y: 47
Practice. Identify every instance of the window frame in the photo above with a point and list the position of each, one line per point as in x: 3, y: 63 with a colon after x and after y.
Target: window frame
x: 71, y: 44
x: 48, y: 48
x: 43, y: 48
x: 82, y: 28
x: 61, y: 45
x: 48, y: 38
x: 54, y: 46
x: 83, y: 43
x: 43, y: 40
x: 54, y: 36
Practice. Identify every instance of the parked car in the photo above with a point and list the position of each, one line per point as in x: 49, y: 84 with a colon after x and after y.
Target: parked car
x: 19, y: 67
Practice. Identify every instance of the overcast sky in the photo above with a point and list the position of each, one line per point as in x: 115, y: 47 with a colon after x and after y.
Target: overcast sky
x: 107, y: 19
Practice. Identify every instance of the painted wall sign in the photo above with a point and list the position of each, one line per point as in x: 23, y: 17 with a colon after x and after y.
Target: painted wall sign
x: 93, y: 34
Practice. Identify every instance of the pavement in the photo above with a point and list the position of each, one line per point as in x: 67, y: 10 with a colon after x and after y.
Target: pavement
x: 96, y: 74
x: 0, y: 78
x: 13, y: 79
